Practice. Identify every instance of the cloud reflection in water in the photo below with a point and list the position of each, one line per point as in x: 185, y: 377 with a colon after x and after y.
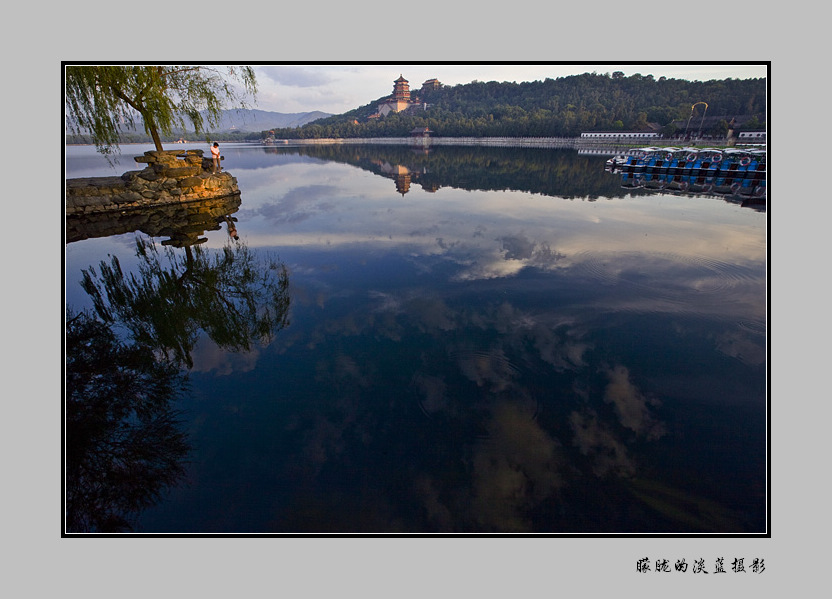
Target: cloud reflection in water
x: 490, y: 360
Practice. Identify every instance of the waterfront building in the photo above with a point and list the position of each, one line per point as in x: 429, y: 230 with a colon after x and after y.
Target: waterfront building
x: 752, y: 136
x: 618, y: 134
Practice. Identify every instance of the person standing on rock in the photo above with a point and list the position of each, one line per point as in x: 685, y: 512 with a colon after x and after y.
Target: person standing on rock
x: 215, y: 154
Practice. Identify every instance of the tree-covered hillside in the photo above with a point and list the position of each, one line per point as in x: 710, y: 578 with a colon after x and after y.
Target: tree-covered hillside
x: 562, y: 107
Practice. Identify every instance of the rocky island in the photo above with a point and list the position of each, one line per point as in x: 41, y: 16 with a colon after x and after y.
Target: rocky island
x: 170, y: 177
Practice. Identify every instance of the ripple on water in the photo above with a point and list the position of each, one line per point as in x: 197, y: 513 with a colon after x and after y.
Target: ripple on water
x: 681, y: 278
x: 753, y: 326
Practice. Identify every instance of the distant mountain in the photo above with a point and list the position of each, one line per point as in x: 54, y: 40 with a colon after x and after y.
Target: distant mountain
x: 254, y: 121
x: 263, y: 120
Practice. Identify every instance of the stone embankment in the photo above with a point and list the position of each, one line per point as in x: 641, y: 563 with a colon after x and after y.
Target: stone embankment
x: 578, y: 143
x: 513, y: 142
x: 170, y: 177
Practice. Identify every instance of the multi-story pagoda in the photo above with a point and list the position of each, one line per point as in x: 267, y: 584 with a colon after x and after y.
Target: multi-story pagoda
x: 401, y: 90
x: 400, y: 99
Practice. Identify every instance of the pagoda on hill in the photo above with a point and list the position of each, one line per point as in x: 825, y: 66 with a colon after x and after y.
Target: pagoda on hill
x: 401, y: 90
x: 400, y: 99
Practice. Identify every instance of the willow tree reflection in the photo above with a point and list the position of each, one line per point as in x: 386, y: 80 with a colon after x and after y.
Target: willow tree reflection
x: 230, y: 295
x: 124, y: 365
x: 124, y: 444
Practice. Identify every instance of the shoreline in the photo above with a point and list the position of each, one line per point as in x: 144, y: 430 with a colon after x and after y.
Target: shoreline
x: 576, y: 143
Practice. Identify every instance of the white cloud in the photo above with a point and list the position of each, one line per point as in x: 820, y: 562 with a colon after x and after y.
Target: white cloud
x: 296, y: 76
x: 209, y: 357
x: 517, y: 468
x: 631, y: 405
x: 594, y: 439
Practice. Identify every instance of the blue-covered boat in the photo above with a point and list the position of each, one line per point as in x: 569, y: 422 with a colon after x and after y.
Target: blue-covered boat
x: 689, y: 161
x: 731, y: 171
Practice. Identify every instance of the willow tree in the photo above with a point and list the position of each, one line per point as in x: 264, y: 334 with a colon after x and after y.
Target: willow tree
x: 101, y: 101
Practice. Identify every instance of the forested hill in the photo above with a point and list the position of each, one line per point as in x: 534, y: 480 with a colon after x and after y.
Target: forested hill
x: 562, y: 107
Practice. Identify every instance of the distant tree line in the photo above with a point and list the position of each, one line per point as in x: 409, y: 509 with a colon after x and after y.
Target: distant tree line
x: 562, y: 107
x: 128, y: 137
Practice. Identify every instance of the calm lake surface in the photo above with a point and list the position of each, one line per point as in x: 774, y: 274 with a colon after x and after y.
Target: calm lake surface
x: 469, y: 340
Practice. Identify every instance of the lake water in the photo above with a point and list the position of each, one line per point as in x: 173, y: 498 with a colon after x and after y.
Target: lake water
x: 466, y: 340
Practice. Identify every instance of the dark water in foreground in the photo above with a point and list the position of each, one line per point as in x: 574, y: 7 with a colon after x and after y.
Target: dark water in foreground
x: 469, y: 340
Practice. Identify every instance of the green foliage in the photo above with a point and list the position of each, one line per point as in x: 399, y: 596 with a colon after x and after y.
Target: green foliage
x: 721, y: 128
x: 103, y: 101
x: 752, y: 125
x: 562, y: 107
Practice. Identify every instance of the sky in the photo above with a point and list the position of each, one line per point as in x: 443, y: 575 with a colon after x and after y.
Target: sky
x: 338, y: 88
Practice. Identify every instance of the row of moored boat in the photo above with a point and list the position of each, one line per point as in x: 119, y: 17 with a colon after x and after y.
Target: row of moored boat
x: 673, y: 160
x: 724, y: 171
